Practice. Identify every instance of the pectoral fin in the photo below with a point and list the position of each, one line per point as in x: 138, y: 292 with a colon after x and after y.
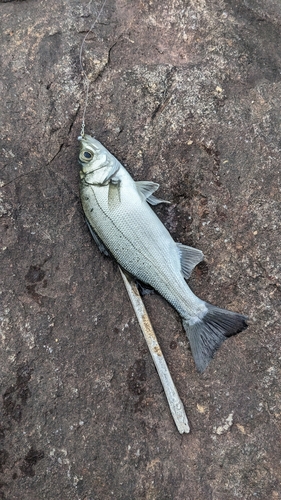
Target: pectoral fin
x: 189, y: 258
x: 147, y: 188
x: 114, y: 198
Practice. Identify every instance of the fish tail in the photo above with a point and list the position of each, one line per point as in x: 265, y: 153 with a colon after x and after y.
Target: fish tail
x: 208, y: 333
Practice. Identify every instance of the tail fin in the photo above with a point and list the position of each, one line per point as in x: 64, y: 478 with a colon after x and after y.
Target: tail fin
x: 207, y: 334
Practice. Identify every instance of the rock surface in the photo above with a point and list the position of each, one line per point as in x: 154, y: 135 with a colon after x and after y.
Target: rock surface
x: 187, y: 94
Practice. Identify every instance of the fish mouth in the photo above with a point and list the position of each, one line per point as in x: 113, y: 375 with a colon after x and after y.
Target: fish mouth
x: 84, y: 137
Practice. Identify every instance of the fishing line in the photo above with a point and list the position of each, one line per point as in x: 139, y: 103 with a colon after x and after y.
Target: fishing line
x: 86, y: 80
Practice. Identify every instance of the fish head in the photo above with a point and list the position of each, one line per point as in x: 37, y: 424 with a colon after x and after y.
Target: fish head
x: 98, y: 164
x: 90, y: 152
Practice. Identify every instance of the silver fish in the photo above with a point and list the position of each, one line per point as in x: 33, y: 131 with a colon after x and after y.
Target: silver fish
x: 119, y: 216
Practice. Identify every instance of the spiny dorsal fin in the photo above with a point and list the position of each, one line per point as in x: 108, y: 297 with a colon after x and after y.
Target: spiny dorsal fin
x: 147, y: 188
x: 189, y: 258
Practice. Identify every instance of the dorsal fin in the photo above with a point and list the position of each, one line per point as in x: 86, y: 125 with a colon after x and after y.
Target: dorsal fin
x: 147, y: 188
x: 189, y: 258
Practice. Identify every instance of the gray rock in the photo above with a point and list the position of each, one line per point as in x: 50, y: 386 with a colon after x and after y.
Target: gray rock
x: 186, y: 94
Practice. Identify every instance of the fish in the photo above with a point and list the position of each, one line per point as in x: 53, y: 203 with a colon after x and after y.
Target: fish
x: 119, y: 215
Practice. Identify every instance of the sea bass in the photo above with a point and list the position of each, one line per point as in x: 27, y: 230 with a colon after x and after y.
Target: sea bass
x: 120, y: 218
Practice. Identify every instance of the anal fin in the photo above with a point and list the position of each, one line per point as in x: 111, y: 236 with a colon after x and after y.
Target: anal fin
x: 144, y: 288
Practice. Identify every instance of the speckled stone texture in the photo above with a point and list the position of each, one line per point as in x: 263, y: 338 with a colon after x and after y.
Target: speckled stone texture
x: 187, y: 94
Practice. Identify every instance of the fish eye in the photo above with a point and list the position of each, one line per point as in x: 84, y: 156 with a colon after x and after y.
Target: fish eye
x: 87, y: 155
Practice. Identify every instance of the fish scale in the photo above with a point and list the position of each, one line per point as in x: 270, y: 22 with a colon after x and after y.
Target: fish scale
x: 118, y: 211
x: 154, y: 265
